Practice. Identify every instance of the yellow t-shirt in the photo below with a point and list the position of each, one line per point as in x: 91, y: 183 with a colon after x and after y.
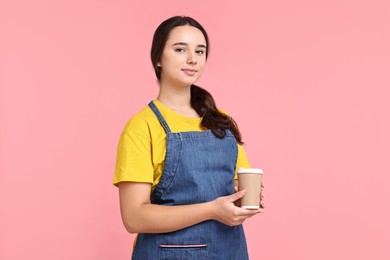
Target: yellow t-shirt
x: 142, y: 145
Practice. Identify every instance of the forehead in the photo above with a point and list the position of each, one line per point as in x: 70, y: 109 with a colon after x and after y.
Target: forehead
x: 187, y: 34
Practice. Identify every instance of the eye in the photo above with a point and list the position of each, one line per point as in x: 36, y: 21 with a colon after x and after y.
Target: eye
x: 200, y: 52
x: 179, y: 50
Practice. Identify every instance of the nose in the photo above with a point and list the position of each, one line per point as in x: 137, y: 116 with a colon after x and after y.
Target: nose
x: 191, y: 59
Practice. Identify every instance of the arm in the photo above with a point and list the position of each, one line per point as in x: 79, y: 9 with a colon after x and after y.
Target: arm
x: 140, y: 216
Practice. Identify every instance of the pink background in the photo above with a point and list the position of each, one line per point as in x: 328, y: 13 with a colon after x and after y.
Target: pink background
x: 307, y: 81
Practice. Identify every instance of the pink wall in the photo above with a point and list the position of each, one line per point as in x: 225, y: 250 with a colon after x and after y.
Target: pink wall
x: 307, y: 81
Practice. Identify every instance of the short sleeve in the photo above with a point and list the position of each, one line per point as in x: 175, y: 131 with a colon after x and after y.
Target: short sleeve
x: 133, y: 161
x: 242, y: 160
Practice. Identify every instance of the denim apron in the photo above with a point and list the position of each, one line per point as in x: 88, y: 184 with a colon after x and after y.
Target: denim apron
x: 199, y: 167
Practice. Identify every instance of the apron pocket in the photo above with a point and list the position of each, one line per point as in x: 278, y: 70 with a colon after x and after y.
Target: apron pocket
x: 183, y: 251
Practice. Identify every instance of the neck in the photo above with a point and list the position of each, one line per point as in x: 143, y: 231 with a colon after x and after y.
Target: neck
x: 175, y: 97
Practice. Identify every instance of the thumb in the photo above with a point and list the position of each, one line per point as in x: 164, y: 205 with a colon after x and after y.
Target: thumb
x: 236, y: 196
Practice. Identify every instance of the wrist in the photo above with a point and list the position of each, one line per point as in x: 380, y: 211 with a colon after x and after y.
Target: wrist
x: 210, y: 210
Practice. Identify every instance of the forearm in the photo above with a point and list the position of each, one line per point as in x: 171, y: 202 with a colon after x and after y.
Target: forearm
x: 140, y: 216
x: 152, y: 218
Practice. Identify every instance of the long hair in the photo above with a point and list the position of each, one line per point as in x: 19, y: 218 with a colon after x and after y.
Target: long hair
x: 201, y: 100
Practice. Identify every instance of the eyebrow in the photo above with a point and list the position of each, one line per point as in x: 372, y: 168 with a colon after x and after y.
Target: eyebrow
x: 186, y: 44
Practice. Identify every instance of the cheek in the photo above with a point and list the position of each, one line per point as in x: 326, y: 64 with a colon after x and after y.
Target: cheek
x: 169, y: 62
x: 165, y: 59
x: 202, y: 65
x: 169, y: 66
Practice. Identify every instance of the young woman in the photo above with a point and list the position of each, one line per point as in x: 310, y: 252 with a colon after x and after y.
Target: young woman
x: 177, y: 158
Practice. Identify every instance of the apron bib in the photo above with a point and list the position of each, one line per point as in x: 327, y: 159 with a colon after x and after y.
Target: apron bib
x: 199, y: 167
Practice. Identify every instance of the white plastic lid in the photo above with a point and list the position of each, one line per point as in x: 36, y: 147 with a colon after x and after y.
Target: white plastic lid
x: 250, y: 170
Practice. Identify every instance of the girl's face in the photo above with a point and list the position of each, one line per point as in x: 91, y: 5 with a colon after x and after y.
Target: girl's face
x: 184, y: 56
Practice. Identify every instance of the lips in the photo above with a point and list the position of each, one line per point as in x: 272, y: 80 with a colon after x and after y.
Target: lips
x: 190, y: 72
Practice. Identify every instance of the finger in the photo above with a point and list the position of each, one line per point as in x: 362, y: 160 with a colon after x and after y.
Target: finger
x: 235, y: 188
x: 262, y: 204
x: 255, y: 212
x: 236, y: 196
x: 248, y: 212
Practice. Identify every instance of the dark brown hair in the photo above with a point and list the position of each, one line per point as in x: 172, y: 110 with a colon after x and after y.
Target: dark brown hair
x: 201, y: 100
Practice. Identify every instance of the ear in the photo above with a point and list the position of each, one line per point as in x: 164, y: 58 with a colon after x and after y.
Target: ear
x: 159, y: 64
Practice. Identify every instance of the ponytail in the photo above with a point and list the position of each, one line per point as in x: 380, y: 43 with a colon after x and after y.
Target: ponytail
x: 212, y: 119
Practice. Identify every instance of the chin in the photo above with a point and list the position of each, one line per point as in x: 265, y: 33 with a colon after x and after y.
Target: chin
x: 187, y: 82
x: 192, y: 81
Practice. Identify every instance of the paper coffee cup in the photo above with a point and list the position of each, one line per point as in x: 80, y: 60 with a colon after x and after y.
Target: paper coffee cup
x: 249, y: 179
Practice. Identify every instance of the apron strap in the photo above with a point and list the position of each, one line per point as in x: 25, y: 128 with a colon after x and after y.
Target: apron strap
x: 160, y: 117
